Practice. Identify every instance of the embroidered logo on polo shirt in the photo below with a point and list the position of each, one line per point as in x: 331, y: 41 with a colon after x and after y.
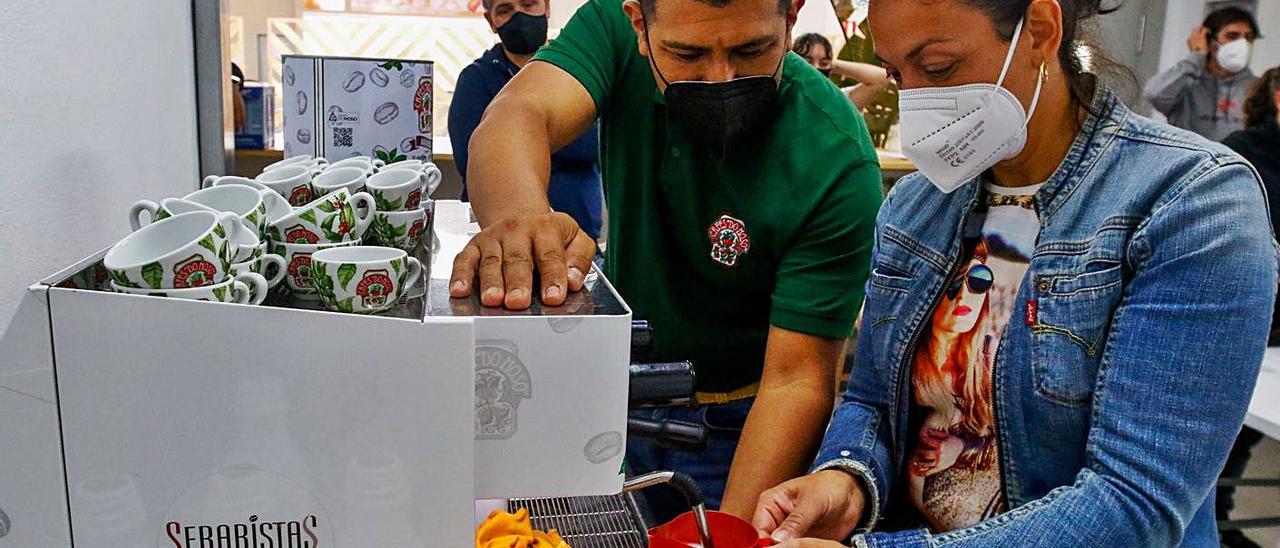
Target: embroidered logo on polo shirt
x: 729, y: 240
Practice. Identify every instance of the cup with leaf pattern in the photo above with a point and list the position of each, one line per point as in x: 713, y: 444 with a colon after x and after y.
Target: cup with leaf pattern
x: 339, y: 216
x: 269, y: 265
x: 297, y: 264
x: 276, y: 204
x: 402, y: 189
x: 245, y: 288
x: 246, y: 202
x: 399, y: 229
x: 292, y: 182
x: 433, y: 173
x: 363, y: 280
x: 350, y: 178
x: 183, y: 251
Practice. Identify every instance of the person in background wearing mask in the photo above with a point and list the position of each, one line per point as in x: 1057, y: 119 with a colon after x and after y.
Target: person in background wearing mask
x: 742, y: 190
x: 521, y: 25
x: 1205, y: 91
x: 817, y: 50
x: 1067, y: 309
x: 1258, y: 142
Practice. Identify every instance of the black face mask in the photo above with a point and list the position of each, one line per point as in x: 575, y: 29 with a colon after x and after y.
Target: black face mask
x: 523, y: 33
x: 720, y: 114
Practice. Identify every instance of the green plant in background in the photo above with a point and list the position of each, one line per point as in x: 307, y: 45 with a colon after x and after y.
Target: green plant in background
x: 882, y: 114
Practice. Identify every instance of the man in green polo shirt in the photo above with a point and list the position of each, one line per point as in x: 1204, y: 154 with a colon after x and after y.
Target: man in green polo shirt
x: 741, y: 191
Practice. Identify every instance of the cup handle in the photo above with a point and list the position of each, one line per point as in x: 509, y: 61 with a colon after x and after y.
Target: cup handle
x: 135, y: 212
x: 362, y: 223
x: 273, y: 259
x: 415, y: 271
x: 321, y: 161
x: 230, y: 223
x: 255, y: 288
x: 208, y: 181
x: 378, y: 163
x: 239, y: 292
x: 433, y: 176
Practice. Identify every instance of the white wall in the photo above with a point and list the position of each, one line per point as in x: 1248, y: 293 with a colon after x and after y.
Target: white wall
x: 1184, y: 15
x: 97, y: 110
x: 255, y: 14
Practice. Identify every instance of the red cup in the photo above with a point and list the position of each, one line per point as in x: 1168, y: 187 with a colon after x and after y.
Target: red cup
x: 727, y: 530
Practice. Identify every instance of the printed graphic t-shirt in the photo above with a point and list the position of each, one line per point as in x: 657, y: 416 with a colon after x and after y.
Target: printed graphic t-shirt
x: 954, y: 471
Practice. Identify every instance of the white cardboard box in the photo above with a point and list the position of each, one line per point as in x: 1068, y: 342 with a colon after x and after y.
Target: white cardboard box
x: 142, y: 421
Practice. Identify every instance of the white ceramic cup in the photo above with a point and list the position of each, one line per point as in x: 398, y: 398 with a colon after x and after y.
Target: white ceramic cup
x: 276, y: 204
x: 186, y: 250
x: 245, y: 288
x: 363, y: 162
x: 245, y: 245
x: 402, y: 189
x: 292, y: 182
x: 153, y: 211
x: 433, y: 173
x: 363, y: 280
x: 336, y: 217
x: 247, y: 203
x: 307, y: 160
x: 297, y: 261
x: 399, y: 229
x: 334, y: 178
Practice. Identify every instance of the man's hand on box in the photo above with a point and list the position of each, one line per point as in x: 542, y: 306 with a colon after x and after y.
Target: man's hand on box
x: 499, y: 262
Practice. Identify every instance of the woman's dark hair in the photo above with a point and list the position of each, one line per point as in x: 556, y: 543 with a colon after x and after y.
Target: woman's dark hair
x: 804, y: 44
x: 1220, y: 18
x: 1006, y: 14
x: 1260, y: 105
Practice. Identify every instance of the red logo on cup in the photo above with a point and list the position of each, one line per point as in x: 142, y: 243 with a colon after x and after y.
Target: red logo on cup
x: 194, y: 271
x: 375, y: 288
x: 729, y: 240
x: 414, y: 200
x: 300, y: 269
x: 415, y: 230
x: 300, y: 196
x: 298, y: 234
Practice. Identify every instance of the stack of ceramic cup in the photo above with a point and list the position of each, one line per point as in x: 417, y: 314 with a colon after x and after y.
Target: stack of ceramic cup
x: 236, y: 195
x: 399, y: 190
x: 336, y: 219
x: 187, y: 255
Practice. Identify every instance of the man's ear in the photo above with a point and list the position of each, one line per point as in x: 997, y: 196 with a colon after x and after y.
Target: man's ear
x: 793, y: 15
x: 633, y: 9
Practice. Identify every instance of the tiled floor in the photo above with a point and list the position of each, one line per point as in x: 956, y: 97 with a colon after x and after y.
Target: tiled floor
x: 1262, y: 501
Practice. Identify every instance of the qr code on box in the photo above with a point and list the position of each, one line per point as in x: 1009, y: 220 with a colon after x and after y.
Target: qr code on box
x: 343, y: 136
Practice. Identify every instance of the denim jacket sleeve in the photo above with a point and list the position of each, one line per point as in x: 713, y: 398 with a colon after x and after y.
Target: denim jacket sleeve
x: 858, y: 437
x: 1186, y: 344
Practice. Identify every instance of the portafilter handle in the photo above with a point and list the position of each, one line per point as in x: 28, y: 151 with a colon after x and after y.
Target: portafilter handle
x: 667, y: 384
x: 689, y: 488
x: 668, y: 434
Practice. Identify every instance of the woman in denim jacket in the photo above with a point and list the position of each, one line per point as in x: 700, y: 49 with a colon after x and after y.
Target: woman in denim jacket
x: 1063, y: 324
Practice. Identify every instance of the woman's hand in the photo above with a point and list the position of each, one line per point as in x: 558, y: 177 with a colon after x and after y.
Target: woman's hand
x: 825, y: 504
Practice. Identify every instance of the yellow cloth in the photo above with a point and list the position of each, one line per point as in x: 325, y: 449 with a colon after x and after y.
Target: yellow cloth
x: 503, y: 530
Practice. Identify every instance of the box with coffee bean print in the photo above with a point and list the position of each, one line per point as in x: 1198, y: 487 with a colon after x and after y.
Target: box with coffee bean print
x: 339, y: 107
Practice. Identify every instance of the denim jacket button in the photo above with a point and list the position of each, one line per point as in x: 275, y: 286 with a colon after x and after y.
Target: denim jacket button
x: 845, y: 454
x: 1044, y: 286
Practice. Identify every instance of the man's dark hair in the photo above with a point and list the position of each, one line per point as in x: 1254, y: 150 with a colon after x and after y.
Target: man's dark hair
x: 1006, y: 14
x: 649, y: 7
x: 804, y: 44
x: 1226, y: 16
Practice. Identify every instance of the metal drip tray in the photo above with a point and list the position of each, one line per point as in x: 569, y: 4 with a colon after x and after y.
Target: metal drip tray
x: 588, y: 522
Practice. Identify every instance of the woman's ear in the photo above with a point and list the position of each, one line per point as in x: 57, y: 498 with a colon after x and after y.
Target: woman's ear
x: 636, y: 14
x: 1044, y: 26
